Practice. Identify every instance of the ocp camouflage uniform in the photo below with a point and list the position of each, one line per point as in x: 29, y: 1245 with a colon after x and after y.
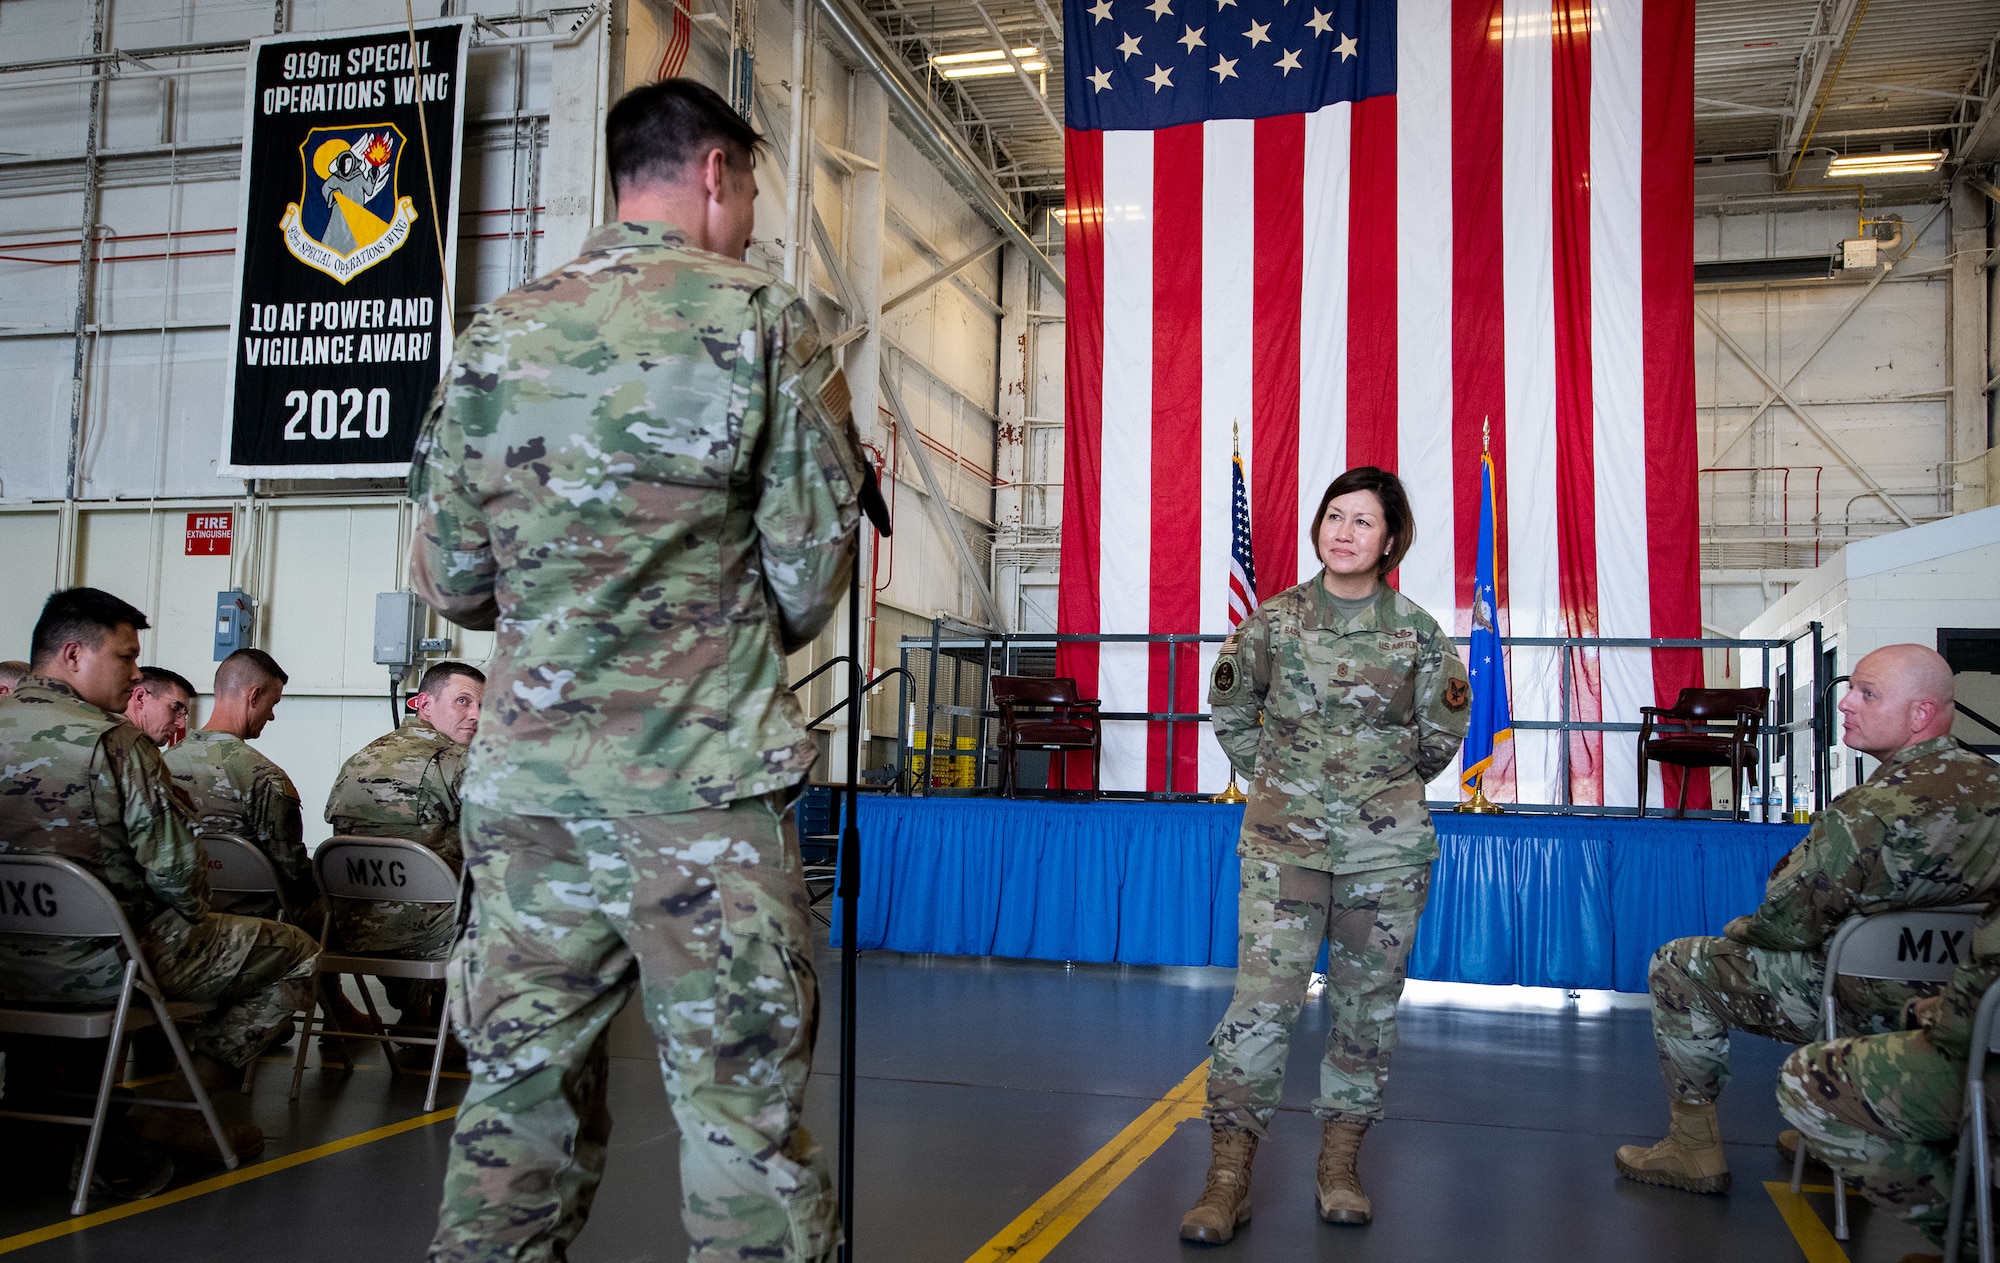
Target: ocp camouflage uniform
x: 1921, y: 831
x: 1337, y: 723
x: 404, y: 784
x: 642, y: 473
x: 1885, y: 1109
x: 236, y: 789
x: 80, y: 784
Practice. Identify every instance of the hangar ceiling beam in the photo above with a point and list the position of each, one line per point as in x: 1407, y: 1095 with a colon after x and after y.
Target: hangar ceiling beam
x: 858, y: 30
x: 1833, y: 27
x: 1027, y: 81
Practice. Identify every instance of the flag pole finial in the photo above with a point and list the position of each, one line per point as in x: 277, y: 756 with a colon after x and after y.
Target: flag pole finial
x: 1235, y: 436
x: 1486, y: 436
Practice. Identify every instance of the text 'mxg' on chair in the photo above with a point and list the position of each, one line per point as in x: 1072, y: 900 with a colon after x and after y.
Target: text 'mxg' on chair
x: 1704, y: 728
x: 49, y: 895
x: 374, y: 870
x: 1912, y: 945
x: 1045, y: 714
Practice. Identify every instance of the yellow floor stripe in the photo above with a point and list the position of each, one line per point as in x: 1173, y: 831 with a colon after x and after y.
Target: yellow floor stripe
x: 1808, y: 1229
x: 1041, y: 1227
x: 241, y: 1175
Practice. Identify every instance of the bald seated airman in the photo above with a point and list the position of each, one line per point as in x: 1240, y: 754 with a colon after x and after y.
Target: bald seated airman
x: 1922, y: 831
x: 238, y: 790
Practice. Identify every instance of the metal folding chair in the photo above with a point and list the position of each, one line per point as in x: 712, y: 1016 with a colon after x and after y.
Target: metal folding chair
x: 374, y: 870
x: 49, y: 895
x: 1912, y: 945
x: 237, y: 867
x: 1975, y: 1154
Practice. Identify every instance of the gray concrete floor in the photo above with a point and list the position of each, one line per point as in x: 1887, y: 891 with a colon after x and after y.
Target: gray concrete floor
x: 985, y: 1082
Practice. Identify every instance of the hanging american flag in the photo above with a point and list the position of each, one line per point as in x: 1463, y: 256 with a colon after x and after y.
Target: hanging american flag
x: 1242, y: 563
x: 1362, y: 227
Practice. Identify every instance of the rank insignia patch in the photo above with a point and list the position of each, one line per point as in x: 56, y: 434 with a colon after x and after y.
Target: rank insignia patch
x: 1456, y: 694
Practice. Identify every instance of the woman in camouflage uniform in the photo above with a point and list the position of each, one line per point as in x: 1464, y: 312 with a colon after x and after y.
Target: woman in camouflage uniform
x: 1337, y: 699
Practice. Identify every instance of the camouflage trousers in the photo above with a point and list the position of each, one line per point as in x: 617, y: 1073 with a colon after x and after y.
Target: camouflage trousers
x: 257, y: 973
x: 1883, y: 1110
x: 1704, y: 987
x: 421, y: 931
x: 1368, y: 922
x: 705, y: 912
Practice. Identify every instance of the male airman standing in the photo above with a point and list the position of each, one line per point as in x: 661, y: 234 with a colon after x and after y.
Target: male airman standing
x: 641, y: 471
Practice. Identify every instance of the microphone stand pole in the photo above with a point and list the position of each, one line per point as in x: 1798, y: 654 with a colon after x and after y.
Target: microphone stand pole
x: 847, y: 877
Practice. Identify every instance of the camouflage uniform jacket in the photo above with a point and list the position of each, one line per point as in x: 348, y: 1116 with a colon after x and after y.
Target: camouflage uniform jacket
x: 1337, y: 723
x: 78, y: 782
x: 403, y: 784
x: 235, y: 789
x: 1922, y: 830
x: 641, y: 472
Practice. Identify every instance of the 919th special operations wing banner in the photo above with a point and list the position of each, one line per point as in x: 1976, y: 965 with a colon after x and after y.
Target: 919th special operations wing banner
x: 343, y: 323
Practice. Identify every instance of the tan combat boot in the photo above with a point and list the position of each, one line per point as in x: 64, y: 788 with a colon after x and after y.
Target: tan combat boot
x: 1341, y: 1200
x: 1690, y: 1158
x: 183, y: 1132
x: 1225, y: 1200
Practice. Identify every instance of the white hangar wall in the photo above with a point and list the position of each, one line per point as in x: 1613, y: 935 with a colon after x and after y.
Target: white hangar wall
x: 150, y: 418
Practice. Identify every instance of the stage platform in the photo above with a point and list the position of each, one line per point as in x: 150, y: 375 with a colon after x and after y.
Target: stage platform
x: 1534, y: 900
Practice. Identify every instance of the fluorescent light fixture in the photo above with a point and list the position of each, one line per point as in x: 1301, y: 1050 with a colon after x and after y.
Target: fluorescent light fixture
x: 1886, y: 164
x: 989, y: 62
x: 991, y: 54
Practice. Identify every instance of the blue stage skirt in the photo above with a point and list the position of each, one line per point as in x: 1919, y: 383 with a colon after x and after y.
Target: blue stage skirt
x: 1540, y: 901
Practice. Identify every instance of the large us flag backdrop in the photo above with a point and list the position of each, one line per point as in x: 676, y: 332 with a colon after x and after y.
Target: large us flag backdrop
x: 1365, y: 231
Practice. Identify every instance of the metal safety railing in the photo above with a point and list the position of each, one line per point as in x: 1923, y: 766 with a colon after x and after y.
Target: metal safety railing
x: 946, y: 708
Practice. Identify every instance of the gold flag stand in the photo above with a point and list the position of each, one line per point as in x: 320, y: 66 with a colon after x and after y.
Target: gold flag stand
x: 1232, y: 794
x: 1479, y: 804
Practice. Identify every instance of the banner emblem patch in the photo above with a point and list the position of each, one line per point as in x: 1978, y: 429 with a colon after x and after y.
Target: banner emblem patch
x: 348, y: 217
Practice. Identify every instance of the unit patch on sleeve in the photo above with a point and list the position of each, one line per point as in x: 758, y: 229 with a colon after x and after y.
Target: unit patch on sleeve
x: 1456, y: 694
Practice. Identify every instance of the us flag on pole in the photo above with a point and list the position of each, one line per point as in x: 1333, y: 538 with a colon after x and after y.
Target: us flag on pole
x: 1363, y: 228
x: 1242, y: 561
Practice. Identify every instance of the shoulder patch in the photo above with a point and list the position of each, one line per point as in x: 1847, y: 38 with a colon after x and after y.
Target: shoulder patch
x: 1233, y: 641
x: 1225, y: 675
x: 1457, y: 695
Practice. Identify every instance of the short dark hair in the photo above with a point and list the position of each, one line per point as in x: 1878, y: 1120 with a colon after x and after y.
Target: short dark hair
x: 440, y: 674
x: 153, y: 679
x: 245, y: 669
x: 1396, y: 516
x: 653, y: 132
x: 84, y: 615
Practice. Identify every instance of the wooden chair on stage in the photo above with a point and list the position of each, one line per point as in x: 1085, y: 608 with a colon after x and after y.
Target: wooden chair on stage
x: 1704, y: 728
x: 1057, y: 720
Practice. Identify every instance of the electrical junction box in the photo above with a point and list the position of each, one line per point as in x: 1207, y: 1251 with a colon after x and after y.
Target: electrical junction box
x: 232, y: 622
x: 396, y: 628
x: 1858, y: 252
